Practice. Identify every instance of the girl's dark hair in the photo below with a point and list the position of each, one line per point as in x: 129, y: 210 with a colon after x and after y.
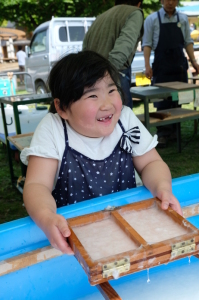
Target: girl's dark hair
x: 71, y: 74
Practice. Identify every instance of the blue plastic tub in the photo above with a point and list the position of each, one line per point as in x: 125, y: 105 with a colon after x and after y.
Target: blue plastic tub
x: 64, y: 278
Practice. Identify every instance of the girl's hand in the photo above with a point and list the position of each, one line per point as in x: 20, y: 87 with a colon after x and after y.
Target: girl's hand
x: 56, y: 229
x: 168, y: 199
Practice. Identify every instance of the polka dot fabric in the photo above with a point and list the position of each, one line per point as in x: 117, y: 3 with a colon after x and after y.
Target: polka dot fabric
x: 81, y: 178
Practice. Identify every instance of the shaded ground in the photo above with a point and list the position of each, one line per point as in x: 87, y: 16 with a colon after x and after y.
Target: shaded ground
x: 10, y: 199
x: 11, y: 207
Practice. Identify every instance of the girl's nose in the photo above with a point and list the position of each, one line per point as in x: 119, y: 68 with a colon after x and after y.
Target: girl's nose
x: 106, y: 103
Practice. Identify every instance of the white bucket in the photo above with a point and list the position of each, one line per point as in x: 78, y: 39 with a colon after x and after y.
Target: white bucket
x: 29, y: 119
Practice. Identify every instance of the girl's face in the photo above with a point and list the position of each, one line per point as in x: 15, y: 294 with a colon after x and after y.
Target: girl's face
x: 97, y: 112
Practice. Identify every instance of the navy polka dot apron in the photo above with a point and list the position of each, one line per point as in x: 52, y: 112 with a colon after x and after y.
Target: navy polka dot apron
x: 81, y: 178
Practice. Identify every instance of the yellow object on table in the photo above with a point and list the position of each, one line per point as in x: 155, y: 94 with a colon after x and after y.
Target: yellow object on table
x: 141, y: 80
x: 194, y: 34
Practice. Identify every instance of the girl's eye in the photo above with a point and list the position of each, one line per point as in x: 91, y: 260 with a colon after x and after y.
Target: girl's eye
x: 113, y: 90
x: 92, y: 96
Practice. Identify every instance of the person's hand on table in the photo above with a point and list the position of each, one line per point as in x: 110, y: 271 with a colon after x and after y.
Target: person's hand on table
x: 56, y: 229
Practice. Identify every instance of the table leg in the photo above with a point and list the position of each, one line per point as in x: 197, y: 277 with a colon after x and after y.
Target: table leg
x: 146, y: 113
x: 195, y: 126
x: 23, y: 169
x: 107, y: 291
x: 178, y: 137
x: 7, y: 144
x: 18, y: 131
x: 195, y: 121
x: 16, y: 117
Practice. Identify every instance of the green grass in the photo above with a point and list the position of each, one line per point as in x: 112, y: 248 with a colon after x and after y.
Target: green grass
x: 180, y: 164
x: 11, y: 207
x: 186, y: 162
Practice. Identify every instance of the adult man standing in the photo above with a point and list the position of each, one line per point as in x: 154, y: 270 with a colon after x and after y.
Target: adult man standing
x: 21, y: 55
x: 115, y: 35
x: 167, y: 33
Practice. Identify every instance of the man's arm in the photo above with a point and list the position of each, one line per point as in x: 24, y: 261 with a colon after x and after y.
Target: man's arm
x: 147, y: 43
x: 190, y: 52
x: 147, y: 53
x: 127, y: 42
x: 189, y: 44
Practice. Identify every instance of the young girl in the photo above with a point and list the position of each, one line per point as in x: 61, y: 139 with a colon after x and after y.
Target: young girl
x: 89, y: 147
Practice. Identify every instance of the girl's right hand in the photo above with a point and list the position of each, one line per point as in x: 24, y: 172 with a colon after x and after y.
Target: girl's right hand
x: 56, y: 229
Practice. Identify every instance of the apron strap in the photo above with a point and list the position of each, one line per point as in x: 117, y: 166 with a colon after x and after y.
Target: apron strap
x: 122, y: 127
x: 159, y: 17
x: 65, y: 131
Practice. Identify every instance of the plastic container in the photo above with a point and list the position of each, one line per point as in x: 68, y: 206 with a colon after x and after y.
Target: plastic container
x: 29, y: 119
x: 7, y: 87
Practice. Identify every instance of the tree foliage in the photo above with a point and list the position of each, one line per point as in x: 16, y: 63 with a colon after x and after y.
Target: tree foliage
x: 29, y: 14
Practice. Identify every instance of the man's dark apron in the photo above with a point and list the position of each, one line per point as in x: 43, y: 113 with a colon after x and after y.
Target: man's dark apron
x: 170, y: 64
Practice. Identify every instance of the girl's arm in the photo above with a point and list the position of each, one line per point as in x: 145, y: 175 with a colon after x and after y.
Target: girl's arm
x: 41, y: 205
x: 156, y: 177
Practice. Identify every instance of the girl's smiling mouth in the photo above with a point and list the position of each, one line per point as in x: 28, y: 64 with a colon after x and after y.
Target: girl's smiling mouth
x: 104, y: 119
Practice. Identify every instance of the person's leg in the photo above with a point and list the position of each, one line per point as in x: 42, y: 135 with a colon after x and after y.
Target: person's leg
x: 125, y: 79
x: 21, y: 69
x: 166, y: 132
x: 20, y: 76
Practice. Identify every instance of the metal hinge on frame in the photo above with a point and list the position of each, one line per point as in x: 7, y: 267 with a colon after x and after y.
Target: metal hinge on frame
x: 183, y: 248
x: 116, y: 267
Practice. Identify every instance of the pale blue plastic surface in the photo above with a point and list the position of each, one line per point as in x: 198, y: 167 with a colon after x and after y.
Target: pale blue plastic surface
x: 2, y: 138
x: 63, y: 277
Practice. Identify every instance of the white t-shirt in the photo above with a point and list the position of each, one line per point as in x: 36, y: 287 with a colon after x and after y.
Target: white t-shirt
x: 48, y: 140
x: 21, y: 55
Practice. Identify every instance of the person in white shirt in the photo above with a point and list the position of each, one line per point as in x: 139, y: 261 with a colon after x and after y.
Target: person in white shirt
x: 88, y: 146
x: 21, y: 56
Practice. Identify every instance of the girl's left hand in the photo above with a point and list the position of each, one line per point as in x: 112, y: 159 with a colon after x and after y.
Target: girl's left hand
x: 168, y: 199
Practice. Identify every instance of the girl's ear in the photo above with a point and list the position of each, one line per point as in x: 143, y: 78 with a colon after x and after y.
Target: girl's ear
x: 61, y: 112
x: 57, y: 104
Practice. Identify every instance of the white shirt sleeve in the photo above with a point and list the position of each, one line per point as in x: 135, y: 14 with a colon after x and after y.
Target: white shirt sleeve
x: 147, y: 39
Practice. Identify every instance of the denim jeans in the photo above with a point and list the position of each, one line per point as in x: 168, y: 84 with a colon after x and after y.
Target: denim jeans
x: 125, y: 79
